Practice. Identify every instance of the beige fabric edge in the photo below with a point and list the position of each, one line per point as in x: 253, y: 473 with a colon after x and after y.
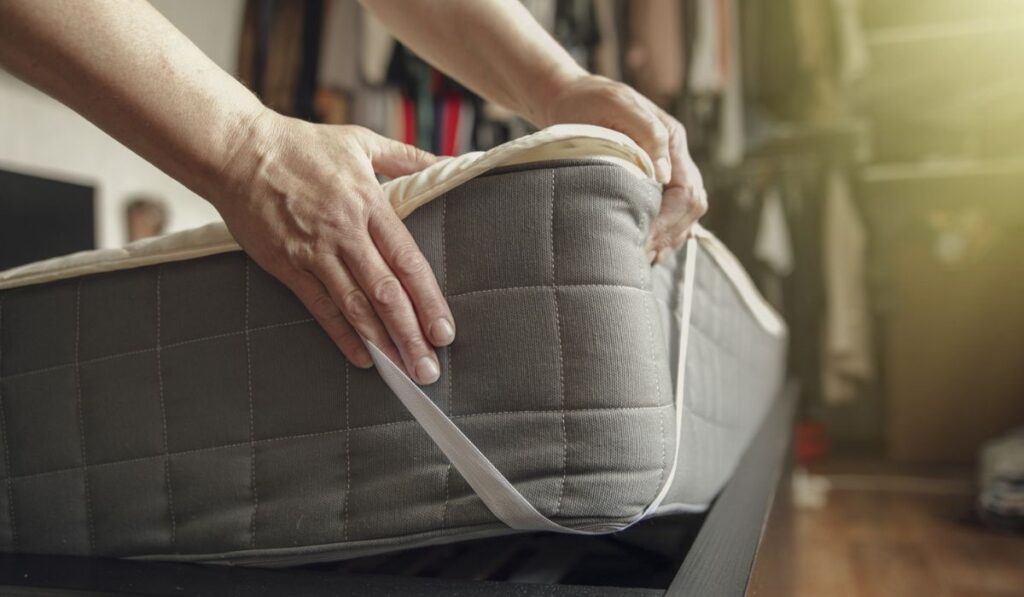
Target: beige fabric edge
x: 406, y: 194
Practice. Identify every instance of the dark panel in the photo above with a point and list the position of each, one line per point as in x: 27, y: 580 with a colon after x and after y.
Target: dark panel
x: 42, y: 218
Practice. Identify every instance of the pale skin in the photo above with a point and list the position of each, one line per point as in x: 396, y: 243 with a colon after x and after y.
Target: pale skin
x: 302, y: 198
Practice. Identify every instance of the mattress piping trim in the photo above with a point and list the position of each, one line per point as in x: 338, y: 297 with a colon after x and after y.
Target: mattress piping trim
x: 406, y: 194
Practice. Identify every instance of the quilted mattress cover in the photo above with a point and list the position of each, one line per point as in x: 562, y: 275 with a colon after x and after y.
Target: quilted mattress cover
x: 170, y: 400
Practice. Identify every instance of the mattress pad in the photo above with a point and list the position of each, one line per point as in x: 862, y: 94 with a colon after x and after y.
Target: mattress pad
x: 170, y: 400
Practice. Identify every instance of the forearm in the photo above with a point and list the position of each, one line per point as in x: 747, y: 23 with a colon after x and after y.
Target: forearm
x: 493, y: 47
x: 120, y: 64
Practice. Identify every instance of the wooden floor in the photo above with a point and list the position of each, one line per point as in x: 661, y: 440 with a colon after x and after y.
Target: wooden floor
x: 889, y: 533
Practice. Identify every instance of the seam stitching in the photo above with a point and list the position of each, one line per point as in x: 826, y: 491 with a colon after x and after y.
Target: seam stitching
x: 252, y: 415
x: 333, y: 432
x: 561, y: 360
x: 7, y: 451
x: 548, y: 287
x: 166, y: 346
x: 270, y: 440
x: 90, y: 530
x: 163, y: 411
x: 448, y: 354
x: 348, y: 459
x: 645, y: 281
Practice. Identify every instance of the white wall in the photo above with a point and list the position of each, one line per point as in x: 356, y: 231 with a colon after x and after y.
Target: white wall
x: 42, y: 137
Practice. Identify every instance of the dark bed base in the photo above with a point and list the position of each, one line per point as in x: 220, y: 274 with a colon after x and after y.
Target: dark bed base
x: 712, y: 554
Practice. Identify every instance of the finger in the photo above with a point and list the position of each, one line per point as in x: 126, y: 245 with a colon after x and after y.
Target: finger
x: 399, y: 249
x: 392, y: 158
x: 650, y: 133
x: 674, y: 218
x: 350, y: 301
x: 393, y: 307
x: 681, y: 208
x: 318, y: 302
x: 684, y: 200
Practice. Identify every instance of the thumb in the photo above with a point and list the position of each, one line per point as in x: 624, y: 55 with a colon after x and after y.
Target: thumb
x: 393, y: 158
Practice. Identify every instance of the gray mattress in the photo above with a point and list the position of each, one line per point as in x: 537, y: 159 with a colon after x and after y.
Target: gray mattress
x: 193, y: 410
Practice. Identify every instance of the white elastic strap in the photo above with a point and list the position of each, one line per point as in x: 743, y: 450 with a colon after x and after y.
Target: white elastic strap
x: 496, y: 492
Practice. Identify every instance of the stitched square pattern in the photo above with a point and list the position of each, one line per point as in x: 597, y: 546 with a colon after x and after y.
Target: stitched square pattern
x: 198, y: 301
x: 498, y: 366
x: 206, y: 393
x: 427, y: 229
x: 302, y: 505
x: 311, y: 374
x: 270, y: 302
x: 42, y: 421
x: 44, y: 528
x: 118, y: 313
x: 6, y: 528
x: 39, y: 325
x: 600, y: 226
x: 558, y: 375
x: 213, y: 499
x: 611, y: 342
x: 371, y: 401
x: 122, y: 416
x: 397, y: 482
x: 527, y: 447
x: 131, y: 512
x: 617, y: 460
x: 505, y: 249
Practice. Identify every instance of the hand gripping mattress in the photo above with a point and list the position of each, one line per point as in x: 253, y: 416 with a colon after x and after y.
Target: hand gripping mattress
x: 170, y: 400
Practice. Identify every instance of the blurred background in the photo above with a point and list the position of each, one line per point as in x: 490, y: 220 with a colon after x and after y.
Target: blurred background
x: 864, y: 159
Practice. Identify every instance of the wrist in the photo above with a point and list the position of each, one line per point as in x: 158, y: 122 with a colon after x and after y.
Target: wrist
x: 249, y: 143
x: 543, y: 91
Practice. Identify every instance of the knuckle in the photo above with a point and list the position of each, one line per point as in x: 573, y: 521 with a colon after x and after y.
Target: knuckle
x: 658, y: 132
x: 622, y: 93
x: 699, y: 202
x: 356, y: 306
x: 413, y: 344
x: 410, y: 261
x: 678, y: 130
x: 387, y: 292
x: 292, y: 253
x: 323, y: 307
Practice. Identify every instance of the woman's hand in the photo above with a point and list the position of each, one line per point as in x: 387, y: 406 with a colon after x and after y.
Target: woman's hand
x: 591, y: 99
x: 303, y: 201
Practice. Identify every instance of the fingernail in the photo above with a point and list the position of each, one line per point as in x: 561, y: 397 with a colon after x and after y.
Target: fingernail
x: 442, y: 332
x: 427, y: 371
x: 663, y: 170
x: 363, y: 361
x: 651, y: 255
x: 664, y: 254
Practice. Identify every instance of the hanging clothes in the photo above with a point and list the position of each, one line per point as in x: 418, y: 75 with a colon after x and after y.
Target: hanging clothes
x: 730, y: 146
x: 847, y: 361
x: 271, y: 51
x: 340, y: 46
x: 377, y: 47
x: 852, y: 45
x: 656, y: 53
x: 773, y: 246
x: 608, y: 52
x: 306, y: 80
x: 706, y: 76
